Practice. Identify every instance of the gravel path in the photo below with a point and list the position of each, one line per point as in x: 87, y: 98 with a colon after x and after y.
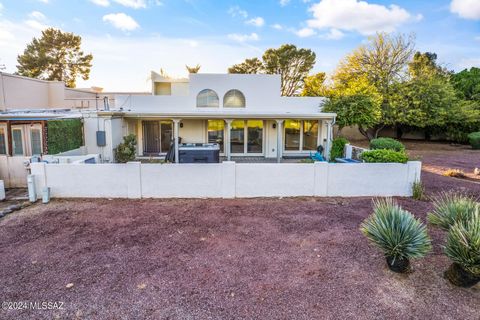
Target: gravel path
x: 301, y: 258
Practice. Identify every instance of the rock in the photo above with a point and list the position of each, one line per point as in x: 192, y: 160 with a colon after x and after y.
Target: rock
x: 476, y: 171
x: 14, y: 207
x: 70, y: 285
x: 6, y: 211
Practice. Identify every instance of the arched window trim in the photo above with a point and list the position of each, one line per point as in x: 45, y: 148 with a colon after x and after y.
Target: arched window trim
x: 211, y: 98
x: 235, y: 92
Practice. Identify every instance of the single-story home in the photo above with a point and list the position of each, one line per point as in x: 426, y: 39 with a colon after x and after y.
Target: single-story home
x: 244, y: 113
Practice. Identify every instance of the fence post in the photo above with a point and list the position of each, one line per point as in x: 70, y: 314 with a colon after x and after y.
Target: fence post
x: 348, y: 151
x: 134, y: 180
x: 320, y: 179
x: 228, y: 179
x: 39, y: 172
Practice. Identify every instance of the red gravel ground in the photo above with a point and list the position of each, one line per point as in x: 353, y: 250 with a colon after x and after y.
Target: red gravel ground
x: 300, y: 258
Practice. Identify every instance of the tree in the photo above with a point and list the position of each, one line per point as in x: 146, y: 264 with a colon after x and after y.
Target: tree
x: 424, y: 65
x: 292, y: 63
x: 249, y: 66
x: 314, y: 85
x: 467, y: 83
x: 194, y: 69
x: 382, y: 63
x: 56, y: 55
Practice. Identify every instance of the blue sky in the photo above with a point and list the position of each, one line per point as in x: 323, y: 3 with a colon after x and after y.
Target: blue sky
x: 130, y: 37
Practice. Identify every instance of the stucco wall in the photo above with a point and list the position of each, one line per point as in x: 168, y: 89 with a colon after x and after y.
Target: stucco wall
x: 13, y: 171
x: 226, y: 180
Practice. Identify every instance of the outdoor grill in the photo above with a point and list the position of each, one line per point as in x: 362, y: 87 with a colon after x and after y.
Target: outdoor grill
x: 199, y: 153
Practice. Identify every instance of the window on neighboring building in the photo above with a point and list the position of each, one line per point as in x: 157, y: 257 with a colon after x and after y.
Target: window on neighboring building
x: 3, y: 141
x: 234, y: 99
x: 36, y: 141
x: 17, y: 142
x: 207, y: 99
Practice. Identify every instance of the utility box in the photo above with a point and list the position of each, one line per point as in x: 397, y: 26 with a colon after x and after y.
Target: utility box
x: 101, y: 139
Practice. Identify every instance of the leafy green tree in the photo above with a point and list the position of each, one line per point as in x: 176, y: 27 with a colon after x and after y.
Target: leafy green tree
x: 462, y: 119
x: 56, y: 55
x: 314, y: 85
x: 292, y: 63
x: 424, y: 65
x: 249, y: 66
x: 467, y: 83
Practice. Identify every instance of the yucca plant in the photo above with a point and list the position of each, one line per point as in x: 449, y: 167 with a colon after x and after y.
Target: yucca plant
x: 463, y: 248
x: 450, y: 208
x: 397, y: 233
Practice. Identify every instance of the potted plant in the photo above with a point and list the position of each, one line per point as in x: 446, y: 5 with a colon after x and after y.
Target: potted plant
x: 450, y: 208
x: 463, y: 248
x: 397, y: 233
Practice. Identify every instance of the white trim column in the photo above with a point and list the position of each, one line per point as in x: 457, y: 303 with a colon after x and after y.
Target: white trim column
x: 226, y: 144
x: 329, y: 139
x: 279, y: 140
x: 176, y: 129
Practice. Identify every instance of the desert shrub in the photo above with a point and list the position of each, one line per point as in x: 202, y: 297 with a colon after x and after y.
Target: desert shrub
x: 125, y: 151
x: 463, y: 245
x: 338, y: 146
x: 449, y: 208
x: 386, y: 143
x: 456, y: 173
x: 474, y: 139
x: 384, y: 155
x: 396, y: 232
x: 418, y: 190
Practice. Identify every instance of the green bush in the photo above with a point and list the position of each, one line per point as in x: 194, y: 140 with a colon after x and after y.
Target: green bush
x: 384, y: 155
x: 64, y: 135
x: 449, y: 208
x: 386, y: 143
x: 474, y: 139
x: 418, y: 190
x: 463, y: 244
x: 338, y: 146
x: 125, y: 151
x: 396, y: 232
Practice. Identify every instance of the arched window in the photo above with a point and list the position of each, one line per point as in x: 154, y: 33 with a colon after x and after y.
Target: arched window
x: 207, y: 98
x: 234, y: 99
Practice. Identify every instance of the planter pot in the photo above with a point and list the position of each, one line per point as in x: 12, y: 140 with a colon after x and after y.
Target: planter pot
x: 399, y: 265
x: 461, y: 277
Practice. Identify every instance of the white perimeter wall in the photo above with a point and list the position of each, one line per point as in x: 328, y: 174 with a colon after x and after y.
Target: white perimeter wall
x: 13, y: 171
x: 225, y: 180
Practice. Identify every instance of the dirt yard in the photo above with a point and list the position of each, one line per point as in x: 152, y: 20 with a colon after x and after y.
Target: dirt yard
x: 300, y: 258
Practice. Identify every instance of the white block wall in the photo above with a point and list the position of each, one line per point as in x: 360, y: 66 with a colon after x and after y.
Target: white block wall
x: 226, y: 180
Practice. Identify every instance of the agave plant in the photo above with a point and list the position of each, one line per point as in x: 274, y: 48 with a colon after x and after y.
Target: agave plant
x: 397, y: 233
x: 463, y: 248
x: 450, y: 208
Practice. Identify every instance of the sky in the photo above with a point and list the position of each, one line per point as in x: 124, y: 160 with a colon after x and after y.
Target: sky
x: 128, y: 38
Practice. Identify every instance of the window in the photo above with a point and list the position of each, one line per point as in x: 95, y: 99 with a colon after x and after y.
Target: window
x: 163, y: 88
x: 234, y: 99
x: 36, y: 141
x: 301, y: 135
x: 255, y: 136
x: 3, y: 141
x: 310, y: 135
x: 17, y: 142
x: 216, y: 132
x: 207, y: 99
x: 246, y: 137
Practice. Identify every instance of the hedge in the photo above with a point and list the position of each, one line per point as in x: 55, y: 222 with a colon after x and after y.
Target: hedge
x: 338, y: 146
x: 64, y: 135
x: 386, y: 143
x: 384, y: 155
x: 474, y: 139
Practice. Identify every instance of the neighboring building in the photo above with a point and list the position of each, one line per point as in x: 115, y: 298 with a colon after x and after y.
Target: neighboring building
x: 245, y: 114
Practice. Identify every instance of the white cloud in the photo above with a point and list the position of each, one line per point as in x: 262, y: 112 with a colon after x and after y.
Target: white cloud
x: 244, y: 37
x: 277, y: 26
x: 468, y: 9
x: 236, y: 11
x: 102, y: 3
x: 44, y: 1
x: 135, y: 4
x: 257, y: 22
x: 333, y: 34
x: 283, y: 3
x: 357, y: 15
x: 121, y: 21
x: 37, y: 16
x: 305, y: 32
x: 1, y: 6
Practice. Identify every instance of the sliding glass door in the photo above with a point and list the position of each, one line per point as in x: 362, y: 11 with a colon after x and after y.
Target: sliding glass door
x: 300, y: 135
x: 246, y: 137
x: 157, y: 136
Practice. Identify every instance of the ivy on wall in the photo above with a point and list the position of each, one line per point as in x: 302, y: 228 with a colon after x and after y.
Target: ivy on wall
x: 64, y: 135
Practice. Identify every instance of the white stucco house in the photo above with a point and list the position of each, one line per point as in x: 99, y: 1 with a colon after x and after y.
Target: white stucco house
x: 244, y: 113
